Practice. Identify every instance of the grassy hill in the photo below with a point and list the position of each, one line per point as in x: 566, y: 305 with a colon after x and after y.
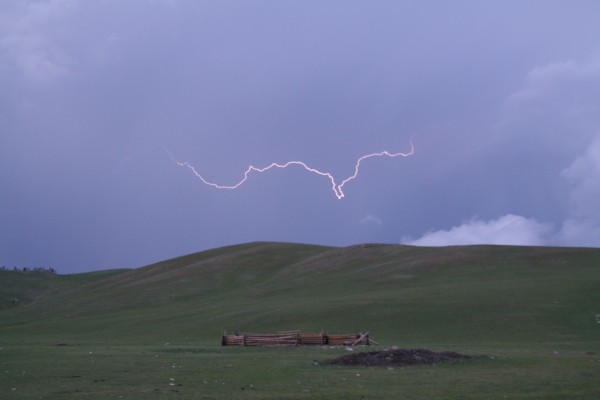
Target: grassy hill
x: 23, y: 287
x: 503, y: 300
x: 399, y: 293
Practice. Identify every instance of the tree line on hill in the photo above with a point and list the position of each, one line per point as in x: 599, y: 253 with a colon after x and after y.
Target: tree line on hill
x: 46, y: 270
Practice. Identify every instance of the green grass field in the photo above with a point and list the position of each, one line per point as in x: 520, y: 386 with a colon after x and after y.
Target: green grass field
x: 154, y: 332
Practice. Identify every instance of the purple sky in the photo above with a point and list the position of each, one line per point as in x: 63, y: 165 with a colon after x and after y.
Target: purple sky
x: 502, y: 99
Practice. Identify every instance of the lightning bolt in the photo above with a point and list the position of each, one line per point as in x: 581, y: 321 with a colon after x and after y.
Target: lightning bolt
x: 338, y: 189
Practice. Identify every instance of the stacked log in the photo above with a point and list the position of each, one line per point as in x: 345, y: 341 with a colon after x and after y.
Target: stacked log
x: 313, y: 339
x: 271, y: 339
x: 341, y: 340
x: 262, y: 339
x: 233, y: 340
x: 294, y: 338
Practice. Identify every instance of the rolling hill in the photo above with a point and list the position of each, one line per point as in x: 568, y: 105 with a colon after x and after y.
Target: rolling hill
x: 488, y: 295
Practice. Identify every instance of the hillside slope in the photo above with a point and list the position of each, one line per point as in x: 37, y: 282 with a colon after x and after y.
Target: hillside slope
x: 23, y: 287
x: 402, y: 294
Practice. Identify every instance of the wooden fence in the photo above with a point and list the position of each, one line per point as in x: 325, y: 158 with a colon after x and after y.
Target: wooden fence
x: 295, y: 338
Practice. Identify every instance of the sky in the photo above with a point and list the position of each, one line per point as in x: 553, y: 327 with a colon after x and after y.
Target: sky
x: 100, y: 98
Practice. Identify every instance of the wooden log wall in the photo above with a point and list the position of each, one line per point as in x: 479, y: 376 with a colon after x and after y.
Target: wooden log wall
x: 341, y: 340
x: 294, y: 338
x: 313, y: 339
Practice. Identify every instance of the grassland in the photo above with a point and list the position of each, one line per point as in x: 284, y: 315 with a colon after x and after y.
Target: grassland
x: 153, y: 332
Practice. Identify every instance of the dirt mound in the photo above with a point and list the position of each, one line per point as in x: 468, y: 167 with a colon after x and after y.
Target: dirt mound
x: 398, y: 357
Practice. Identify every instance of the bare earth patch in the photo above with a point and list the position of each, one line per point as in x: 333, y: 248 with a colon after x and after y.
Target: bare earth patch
x: 398, y: 358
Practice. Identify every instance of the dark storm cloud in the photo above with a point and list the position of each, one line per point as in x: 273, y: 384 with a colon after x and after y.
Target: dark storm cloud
x: 502, y: 101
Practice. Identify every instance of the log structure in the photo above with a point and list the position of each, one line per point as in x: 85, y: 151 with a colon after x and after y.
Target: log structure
x: 295, y: 338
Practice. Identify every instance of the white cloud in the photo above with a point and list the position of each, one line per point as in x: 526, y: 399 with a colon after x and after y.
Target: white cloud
x: 580, y: 233
x: 582, y: 227
x: 509, y: 229
x: 584, y: 175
